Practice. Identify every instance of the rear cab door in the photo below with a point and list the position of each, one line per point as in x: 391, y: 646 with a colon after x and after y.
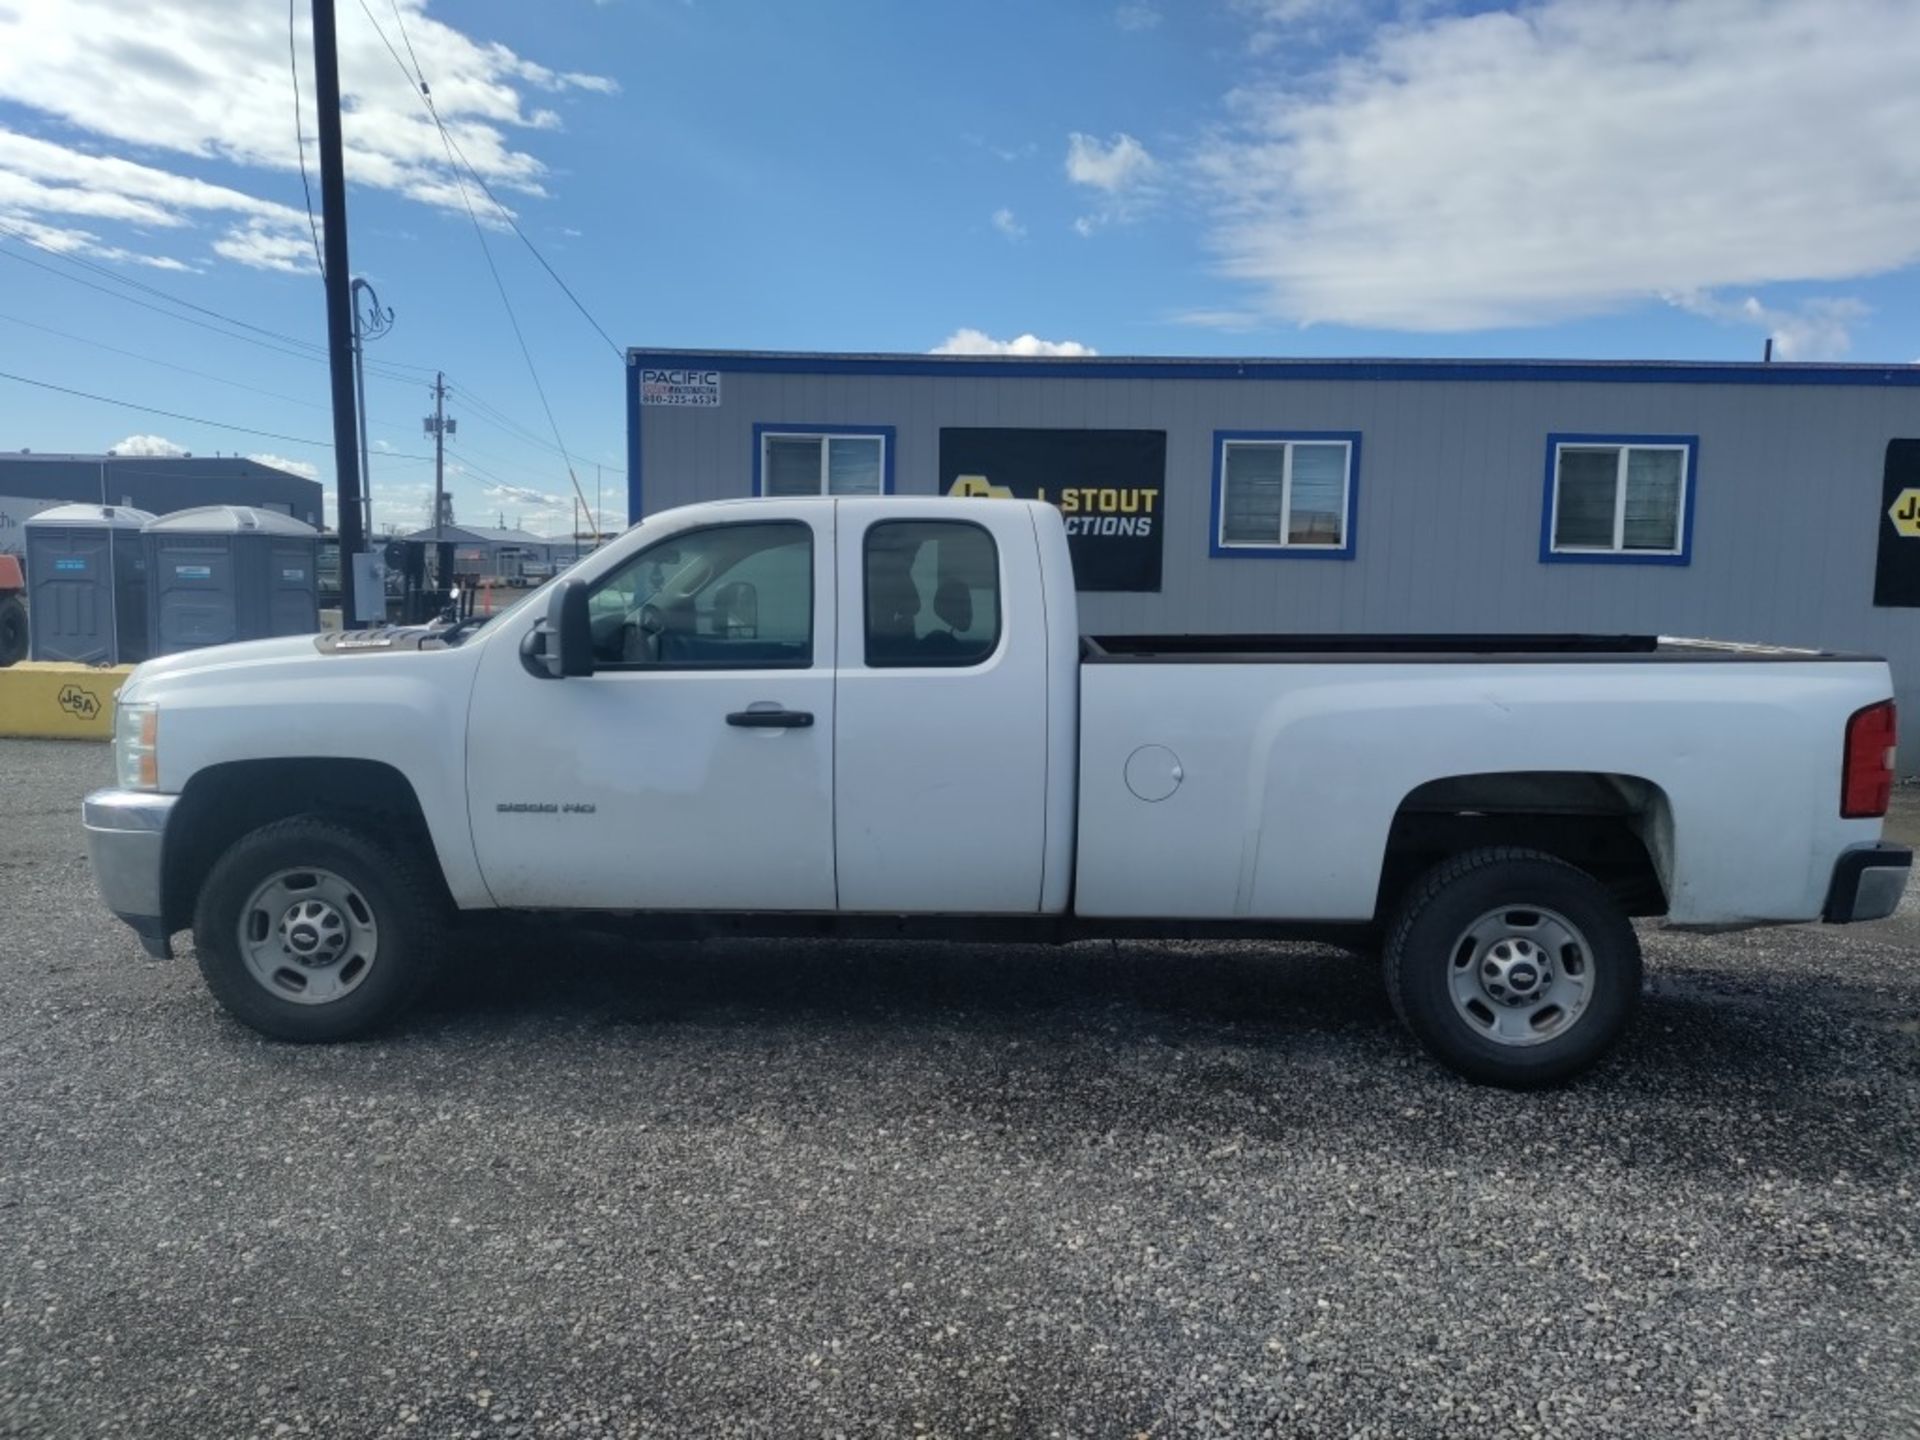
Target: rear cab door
x: 941, y: 754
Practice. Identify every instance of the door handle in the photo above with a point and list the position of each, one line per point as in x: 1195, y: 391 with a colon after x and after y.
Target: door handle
x: 768, y: 716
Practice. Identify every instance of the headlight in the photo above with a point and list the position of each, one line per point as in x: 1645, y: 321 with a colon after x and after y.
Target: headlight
x: 136, y: 741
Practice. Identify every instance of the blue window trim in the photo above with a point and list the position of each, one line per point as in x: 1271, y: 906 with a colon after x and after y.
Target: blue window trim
x: 1625, y: 372
x: 1222, y: 551
x: 768, y: 427
x: 1551, y: 556
x: 634, y: 492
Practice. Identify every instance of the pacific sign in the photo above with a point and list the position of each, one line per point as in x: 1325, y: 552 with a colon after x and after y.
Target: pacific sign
x: 670, y: 386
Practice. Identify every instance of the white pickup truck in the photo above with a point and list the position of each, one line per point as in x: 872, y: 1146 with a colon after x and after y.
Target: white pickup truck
x: 876, y: 717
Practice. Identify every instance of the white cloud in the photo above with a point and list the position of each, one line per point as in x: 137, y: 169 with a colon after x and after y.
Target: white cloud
x: 147, y: 445
x: 264, y: 247
x: 1817, y: 329
x: 1008, y: 225
x: 66, y: 240
x: 1136, y: 15
x: 1577, y: 156
x: 186, y: 79
x: 1120, y: 171
x: 1115, y: 166
x: 528, y: 498
x: 303, y: 468
x: 978, y: 342
x: 1216, y: 319
x: 1294, y: 23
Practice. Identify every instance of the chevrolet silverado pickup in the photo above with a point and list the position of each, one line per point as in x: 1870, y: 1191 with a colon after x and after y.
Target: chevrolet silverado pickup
x: 877, y: 717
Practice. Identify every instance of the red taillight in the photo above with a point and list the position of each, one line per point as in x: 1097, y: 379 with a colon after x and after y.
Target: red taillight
x: 1866, y: 777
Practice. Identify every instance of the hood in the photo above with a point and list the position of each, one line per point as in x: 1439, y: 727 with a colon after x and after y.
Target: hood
x: 268, y: 659
x: 215, y: 657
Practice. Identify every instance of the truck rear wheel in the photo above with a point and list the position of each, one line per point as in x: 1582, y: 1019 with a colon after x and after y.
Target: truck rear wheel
x: 1513, y: 967
x: 13, y: 630
x: 309, y: 930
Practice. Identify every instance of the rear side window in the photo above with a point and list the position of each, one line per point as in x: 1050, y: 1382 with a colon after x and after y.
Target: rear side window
x: 932, y: 593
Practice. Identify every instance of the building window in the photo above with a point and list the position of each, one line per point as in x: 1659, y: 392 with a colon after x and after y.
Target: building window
x: 1285, y: 494
x: 823, y: 460
x: 1619, y: 498
x: 932, y: 593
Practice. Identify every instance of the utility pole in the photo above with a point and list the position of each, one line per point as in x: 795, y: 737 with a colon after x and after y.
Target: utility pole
x: 369, y: 324
x: 333, y: 208
x: 439, y: 426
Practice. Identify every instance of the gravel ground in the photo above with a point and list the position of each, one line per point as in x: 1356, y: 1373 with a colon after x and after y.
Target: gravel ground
x: 830, y: 1189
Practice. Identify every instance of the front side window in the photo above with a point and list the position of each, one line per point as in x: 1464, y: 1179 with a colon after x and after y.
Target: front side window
x: 1619, y: 499
x: 802, y: 464
x: 932, y: 593
x: 1285, y: 494
x: 731, y: 597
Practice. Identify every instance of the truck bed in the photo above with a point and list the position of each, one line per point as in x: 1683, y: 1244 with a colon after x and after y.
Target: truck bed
x: 1333, y: 648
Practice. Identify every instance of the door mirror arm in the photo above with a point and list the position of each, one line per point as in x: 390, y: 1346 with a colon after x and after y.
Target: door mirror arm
x: 561, y: 644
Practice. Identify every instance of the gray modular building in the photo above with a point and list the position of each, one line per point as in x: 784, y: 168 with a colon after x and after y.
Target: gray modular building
x: 1746, y: 502
x: 30, y: 483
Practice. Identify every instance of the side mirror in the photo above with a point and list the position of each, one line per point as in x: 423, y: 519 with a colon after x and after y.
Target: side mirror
x: 562, y: 644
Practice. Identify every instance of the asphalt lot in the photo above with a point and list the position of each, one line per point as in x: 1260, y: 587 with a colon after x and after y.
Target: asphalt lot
x: 825, y: 1189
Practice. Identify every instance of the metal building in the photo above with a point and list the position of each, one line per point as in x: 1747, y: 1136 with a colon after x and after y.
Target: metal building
x: 1747, y: 502
x: 494, y: 556
x: 30, y: 483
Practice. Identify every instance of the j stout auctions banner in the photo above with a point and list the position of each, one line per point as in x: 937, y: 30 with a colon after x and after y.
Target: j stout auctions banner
x: 1896, y: 576
x: 1109, y: 484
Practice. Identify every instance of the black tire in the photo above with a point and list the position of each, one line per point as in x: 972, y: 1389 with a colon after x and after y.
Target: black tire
x: 1429, y: 936
x: 407, y: 906
x: 13, y: 631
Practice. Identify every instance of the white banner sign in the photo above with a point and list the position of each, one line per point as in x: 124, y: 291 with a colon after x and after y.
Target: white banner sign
x: 14, y: 513
x: 679, y: 387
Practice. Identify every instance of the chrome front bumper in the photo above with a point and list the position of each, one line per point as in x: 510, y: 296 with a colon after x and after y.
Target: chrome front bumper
x: 126, y: 833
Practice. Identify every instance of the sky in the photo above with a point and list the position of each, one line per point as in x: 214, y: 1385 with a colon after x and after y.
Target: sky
x: 1658, y: 179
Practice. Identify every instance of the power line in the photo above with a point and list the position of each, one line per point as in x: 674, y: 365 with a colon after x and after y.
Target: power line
x: 320, y: 359
x: 190, y: 419
x: 507, y: 215
x: 309, y: 345
x: 165, y: 364
x: 156, y: 291
x: 418, y: 77
x: 299, y: 140
x: 399, y: 20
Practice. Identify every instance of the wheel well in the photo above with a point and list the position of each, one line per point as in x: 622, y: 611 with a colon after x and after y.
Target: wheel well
x: 223, y: 802
x: 1618, y: 828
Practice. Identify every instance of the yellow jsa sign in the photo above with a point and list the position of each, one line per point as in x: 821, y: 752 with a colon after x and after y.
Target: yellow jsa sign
x: 1905, y: 513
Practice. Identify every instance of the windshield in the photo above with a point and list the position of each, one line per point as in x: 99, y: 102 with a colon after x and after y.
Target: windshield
x: 473, y: 625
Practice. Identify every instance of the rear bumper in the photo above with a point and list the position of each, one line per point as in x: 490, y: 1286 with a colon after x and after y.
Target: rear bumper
x: 1868, y: 882
x: 126, y: 834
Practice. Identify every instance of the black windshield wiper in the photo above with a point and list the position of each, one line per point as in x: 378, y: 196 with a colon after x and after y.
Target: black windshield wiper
x: 458, y: 631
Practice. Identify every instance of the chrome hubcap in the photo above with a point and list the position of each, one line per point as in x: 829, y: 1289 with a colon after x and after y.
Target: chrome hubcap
x: 308, y: 936
x: 1521, y: 976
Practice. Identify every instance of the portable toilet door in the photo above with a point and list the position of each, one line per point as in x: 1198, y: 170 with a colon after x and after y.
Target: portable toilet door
x: 87, y: 584
x: 190, y: 569
x: 229, y: 572
x: 293, y: 590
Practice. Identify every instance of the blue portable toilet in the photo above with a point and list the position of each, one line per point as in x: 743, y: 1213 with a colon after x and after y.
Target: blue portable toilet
x: 222, y: 573
x: 87, y: 584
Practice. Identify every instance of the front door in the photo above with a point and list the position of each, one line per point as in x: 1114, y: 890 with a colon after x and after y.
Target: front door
x: 693, y: 770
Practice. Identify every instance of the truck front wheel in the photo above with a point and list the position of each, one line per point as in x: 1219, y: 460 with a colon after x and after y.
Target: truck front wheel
x: 309, y: 930
x: 1513, y: 967
x: 13, y: 630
